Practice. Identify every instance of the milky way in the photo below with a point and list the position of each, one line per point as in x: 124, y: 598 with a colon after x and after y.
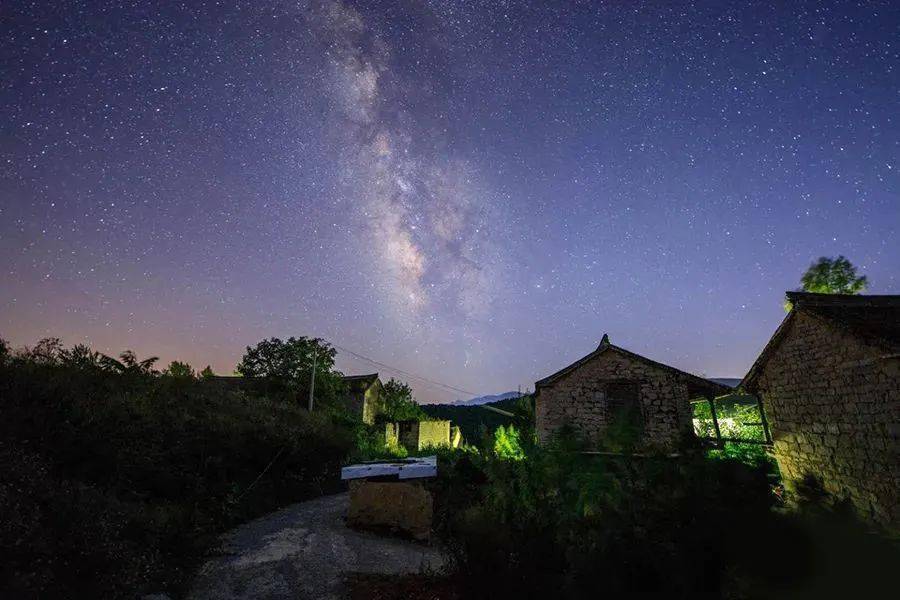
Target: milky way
x: 473, y: 192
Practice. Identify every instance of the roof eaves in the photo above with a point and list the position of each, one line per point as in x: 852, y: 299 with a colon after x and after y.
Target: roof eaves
x: 606, y: 345
x: 747, y: 383
x: 565, y: 370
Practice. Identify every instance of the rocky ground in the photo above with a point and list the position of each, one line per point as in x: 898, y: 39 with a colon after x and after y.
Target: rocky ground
x: 306, y: 551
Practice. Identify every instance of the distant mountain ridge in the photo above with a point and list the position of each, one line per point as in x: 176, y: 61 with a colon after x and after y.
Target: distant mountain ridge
x: 731, y: 382
x: 485, y: 399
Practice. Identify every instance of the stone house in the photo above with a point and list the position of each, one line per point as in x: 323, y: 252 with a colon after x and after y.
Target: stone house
x: 418, y: 435
x: 363, y: 396
x: 612, y: 386
x: 829, y: 381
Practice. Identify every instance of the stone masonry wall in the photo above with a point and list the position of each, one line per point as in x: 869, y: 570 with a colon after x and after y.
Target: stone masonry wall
x: 579, y: 399
x: 371, y: 404
x: 433, y: 433
x: 833, y: 406
x: 356, y: 402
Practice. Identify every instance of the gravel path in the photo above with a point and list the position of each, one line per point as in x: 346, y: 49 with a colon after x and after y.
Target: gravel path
x: 304, y: 551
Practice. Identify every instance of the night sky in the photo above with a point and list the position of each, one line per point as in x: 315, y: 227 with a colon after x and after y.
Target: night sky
x: 473, y: 192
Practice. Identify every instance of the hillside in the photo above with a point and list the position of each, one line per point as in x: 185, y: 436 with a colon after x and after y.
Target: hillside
x: 475, y: 420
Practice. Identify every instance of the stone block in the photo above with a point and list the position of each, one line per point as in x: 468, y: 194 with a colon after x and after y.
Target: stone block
x: 403, y: 507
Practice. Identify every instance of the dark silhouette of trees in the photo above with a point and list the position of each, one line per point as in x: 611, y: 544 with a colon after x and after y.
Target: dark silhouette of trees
x: 129, y: 364
x: 180, y: 370
x: 285, y: 366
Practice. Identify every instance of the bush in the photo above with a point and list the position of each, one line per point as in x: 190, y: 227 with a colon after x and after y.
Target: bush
x: 563, y: 523
x: 131, y: 476
x: 752, y: 455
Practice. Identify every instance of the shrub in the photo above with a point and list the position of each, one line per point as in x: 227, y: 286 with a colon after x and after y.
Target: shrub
x: 507, y: 443
x: 146, y: 468
x: 560, y: 522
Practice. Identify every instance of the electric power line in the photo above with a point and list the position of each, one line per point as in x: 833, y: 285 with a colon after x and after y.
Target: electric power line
x: 446, y: 387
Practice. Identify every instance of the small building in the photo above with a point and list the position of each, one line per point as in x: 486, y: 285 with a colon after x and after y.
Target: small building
x: 829, y: 381
x: 612, y: 387
x: 363, y: 398
x: 416, y: 436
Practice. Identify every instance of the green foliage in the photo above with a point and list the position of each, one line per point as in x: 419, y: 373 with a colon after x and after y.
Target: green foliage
x: 398, y: 403
x: 284, y: 367
x: 114, y: 482
x: 738, y: 416
x: 478, y: 423
x: 831, y: 276
x: 207, y: 373
x: 558, y: 522
x: 753, y: 455
x: 507, y: 443
x: 180, y: 370
x: 371, y: 444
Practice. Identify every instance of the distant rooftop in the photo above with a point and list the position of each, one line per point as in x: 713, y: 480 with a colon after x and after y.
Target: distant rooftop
x: 360, y: 382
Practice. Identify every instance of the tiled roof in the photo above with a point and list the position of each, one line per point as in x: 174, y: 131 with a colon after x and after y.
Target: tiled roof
x: 694, y: 381
x: 875, y: 319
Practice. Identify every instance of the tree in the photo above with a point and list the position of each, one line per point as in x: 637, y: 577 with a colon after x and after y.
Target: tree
x: 180, y: 370
x: 831, y: 276
x: 4, y: 351
x: 128, y: 364
x: 285, y: 366
x: 81, y: 356
x: 398, y: 403
x: 47, y: 351
x: 207, y: 373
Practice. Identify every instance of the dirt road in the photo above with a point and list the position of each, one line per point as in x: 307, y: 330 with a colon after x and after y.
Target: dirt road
x: 304, y: 551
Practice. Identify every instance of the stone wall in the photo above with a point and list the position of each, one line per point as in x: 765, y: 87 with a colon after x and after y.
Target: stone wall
x: 579, y: 399
x: 418, y: 435
x: 434, y: 433
x: 371, y: 404
x: 833, y: 405
x: 364, y: 405
x: 404, y: 507
x: 355, y: 402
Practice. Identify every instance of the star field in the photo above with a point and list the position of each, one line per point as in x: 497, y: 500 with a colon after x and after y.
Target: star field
x: 471, y: 191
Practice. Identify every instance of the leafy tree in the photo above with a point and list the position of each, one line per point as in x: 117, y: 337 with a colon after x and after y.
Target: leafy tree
x: 180, y: 370
x: 4, y: 351
x: 47, y: 351
x: 82, y: 356
x: 128, y: 364
x: 285, y: 366
x: 398, y: 403
x: 207, y: 373
x: 831, y: 276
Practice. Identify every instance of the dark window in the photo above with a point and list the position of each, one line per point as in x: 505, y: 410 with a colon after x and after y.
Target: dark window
x: 623, y: 402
